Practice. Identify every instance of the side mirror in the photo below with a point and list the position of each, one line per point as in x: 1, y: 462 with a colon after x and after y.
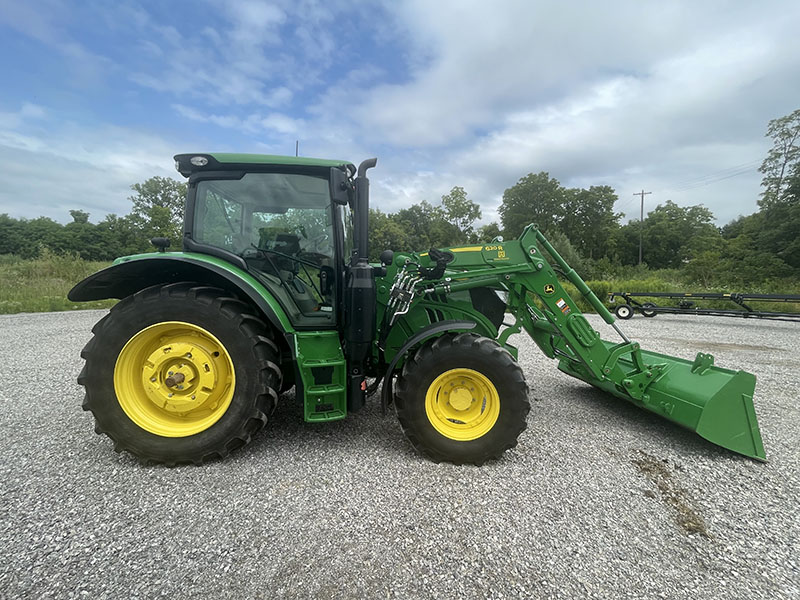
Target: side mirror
x: 161, y: 243
x: 341, y: 188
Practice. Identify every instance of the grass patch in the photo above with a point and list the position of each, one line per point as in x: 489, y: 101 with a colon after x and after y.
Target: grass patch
x: 41, y: 284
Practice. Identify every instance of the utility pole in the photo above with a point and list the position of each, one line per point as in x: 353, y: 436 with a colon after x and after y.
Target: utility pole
x: 641, y: 221
x: 297, y: 147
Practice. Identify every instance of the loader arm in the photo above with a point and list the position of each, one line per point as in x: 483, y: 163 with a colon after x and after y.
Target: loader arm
x: 716, y: 403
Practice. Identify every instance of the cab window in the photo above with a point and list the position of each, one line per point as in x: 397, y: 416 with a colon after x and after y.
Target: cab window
x: 281, y: 225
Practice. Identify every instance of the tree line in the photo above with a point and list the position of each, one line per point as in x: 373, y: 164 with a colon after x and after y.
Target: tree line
x: 581, y: 223
x: 157, y: 210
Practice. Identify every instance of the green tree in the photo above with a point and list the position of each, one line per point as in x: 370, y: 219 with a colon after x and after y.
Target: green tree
x: 533, y: 199
x: 80, y: 237
x: 780, y: 234
x: 589, y: 220
x: 385, y: 234
x: 775, y: 229
x: 158, y: 208
x: 42, y: 232
x: 562, y: 244
x: 121, y: 236
x: 12, y: 235
x: 626, y: 243
x: 672, y: 235
x: 487, y: 233
x: 461, y: 212
x: 783, y: 159
x: 745, y: 264
x: 704, y: 268
x: 79, y: 216
x: 426, y: 226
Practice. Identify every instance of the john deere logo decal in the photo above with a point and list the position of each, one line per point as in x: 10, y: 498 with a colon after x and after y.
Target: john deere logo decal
x: 549, y: 289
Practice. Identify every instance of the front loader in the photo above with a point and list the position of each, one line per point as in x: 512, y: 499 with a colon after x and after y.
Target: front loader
x: 274, y: 289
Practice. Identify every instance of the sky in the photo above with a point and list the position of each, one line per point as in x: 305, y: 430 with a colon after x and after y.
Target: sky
x: 671, y: 98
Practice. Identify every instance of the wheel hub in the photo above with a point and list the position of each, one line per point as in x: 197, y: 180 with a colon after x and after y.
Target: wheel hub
x: 460, y: 398
x: 178, y: 377
x: 462, y: 404
x: 174, y: 379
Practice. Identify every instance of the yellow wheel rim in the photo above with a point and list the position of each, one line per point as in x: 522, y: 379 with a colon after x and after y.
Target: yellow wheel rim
x: 174, y: 379
x: 462, y: 404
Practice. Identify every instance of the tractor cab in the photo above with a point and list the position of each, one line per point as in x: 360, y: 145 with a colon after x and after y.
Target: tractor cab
x: 278, y: 219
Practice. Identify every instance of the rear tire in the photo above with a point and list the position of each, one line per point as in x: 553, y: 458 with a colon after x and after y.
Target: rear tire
x: 462, y: 399
x: 225, y: 357
x: 623, y: 311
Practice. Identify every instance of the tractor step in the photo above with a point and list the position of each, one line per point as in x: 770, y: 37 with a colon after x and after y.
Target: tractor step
x: 322, y: 374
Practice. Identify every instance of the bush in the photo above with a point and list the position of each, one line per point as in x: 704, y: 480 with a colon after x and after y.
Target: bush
x: 41, y: 284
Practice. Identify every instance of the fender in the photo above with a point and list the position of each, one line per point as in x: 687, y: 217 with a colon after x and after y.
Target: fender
x: 430, y: 331
x: 131, y: 274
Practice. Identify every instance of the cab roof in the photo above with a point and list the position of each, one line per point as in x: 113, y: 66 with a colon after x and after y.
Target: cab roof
x: 186, y: 164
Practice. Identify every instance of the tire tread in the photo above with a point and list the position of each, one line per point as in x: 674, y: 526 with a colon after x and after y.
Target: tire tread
x: 237, y: 314
x: 407, y: 395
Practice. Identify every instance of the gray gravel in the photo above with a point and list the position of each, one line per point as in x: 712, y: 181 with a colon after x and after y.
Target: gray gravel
x: 592, y: 503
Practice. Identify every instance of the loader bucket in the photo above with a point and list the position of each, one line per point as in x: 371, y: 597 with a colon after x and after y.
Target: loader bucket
x: 714, y: 402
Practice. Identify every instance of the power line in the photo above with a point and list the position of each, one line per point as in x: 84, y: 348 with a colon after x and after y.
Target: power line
x: 746, y: 165
x: 626, y: 204
x: 714, y: 177
x: 710, y: 181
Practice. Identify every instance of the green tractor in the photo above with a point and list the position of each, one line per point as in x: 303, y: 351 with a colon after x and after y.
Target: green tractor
x: 274, y: 289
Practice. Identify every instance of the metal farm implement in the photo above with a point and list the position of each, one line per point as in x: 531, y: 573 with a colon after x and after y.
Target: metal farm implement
x: 687, y: 304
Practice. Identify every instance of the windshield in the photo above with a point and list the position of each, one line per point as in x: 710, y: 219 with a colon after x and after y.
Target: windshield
x: 281, y: 224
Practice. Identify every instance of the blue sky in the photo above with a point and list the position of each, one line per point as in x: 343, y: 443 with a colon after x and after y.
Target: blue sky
x: 670, y: 97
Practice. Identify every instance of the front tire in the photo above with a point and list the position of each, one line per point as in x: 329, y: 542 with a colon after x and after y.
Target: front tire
x: 623, y: 311
x: 462, y: 399
x: 180, y: 373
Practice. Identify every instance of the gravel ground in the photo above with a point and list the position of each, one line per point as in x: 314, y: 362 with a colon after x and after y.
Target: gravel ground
x: 599, y: 499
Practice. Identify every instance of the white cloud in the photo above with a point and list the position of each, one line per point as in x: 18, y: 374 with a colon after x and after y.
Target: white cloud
x: 627, y: 94
x: 273, y: 123
x: 257, y: 54
x: 51, y: 166
x: 47, y: 22
x: 255, y: 22
x: 15, y: 119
